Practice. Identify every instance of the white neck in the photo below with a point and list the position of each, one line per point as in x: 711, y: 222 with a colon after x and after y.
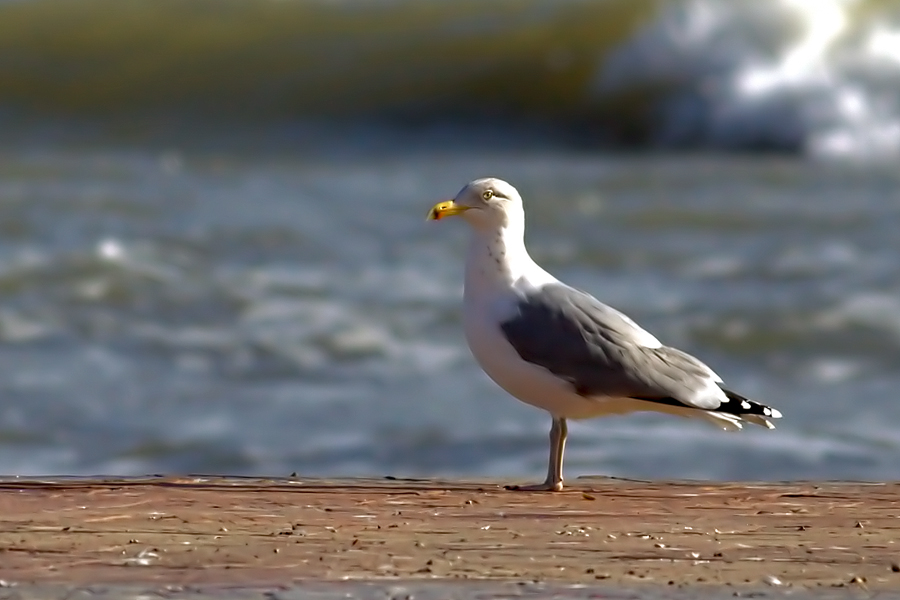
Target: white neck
x: 497, y: 262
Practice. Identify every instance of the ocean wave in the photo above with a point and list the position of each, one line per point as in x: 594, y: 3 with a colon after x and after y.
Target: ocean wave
x: 261, y: 57
x: 819, y: 76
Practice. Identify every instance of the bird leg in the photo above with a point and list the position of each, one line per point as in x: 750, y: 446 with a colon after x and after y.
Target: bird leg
x: 554, y: 481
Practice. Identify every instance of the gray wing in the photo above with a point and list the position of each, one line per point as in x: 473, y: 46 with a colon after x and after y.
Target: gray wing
x: 597, y: 349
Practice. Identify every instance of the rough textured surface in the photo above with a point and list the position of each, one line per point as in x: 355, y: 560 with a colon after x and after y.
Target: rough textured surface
x: 248, y: 532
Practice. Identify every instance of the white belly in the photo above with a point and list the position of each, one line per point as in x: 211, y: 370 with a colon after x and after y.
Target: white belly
x: 530, y: 383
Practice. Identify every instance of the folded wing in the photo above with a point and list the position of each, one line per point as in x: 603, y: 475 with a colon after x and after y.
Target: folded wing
x: 602, y: 352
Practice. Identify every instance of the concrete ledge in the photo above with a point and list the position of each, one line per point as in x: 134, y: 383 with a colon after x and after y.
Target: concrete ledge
x: 187, y: 531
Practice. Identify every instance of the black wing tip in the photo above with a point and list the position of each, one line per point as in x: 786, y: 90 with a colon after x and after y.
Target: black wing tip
x: 739, y: 405
x: 735, y: 404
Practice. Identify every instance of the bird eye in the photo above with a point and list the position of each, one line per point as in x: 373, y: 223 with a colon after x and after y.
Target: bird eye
x: 488, y: 194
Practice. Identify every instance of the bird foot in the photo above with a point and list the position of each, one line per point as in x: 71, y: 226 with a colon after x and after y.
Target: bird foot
x: 547, y: 486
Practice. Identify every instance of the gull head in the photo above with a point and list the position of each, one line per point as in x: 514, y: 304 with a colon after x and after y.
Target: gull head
x: 486, y: 204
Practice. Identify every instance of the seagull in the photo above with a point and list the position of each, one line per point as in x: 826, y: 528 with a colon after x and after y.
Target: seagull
x: 560, y: 349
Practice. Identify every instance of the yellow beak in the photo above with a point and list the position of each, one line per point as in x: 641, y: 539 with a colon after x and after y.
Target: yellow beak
x: 447, y: 208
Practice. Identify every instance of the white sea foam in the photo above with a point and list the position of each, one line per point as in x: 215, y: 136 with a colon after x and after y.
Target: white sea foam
x: 833, y: 370
x: 877, y: 311
x: 776, y: 73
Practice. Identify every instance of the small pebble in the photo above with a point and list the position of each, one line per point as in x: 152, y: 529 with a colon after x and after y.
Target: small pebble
x: 772, y: 580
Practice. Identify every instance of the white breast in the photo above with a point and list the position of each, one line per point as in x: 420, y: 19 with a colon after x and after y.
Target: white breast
x: 498, y: 269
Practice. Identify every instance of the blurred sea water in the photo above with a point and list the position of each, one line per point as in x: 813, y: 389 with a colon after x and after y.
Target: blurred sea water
x: 213, y: 254
x: 222, y: 313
